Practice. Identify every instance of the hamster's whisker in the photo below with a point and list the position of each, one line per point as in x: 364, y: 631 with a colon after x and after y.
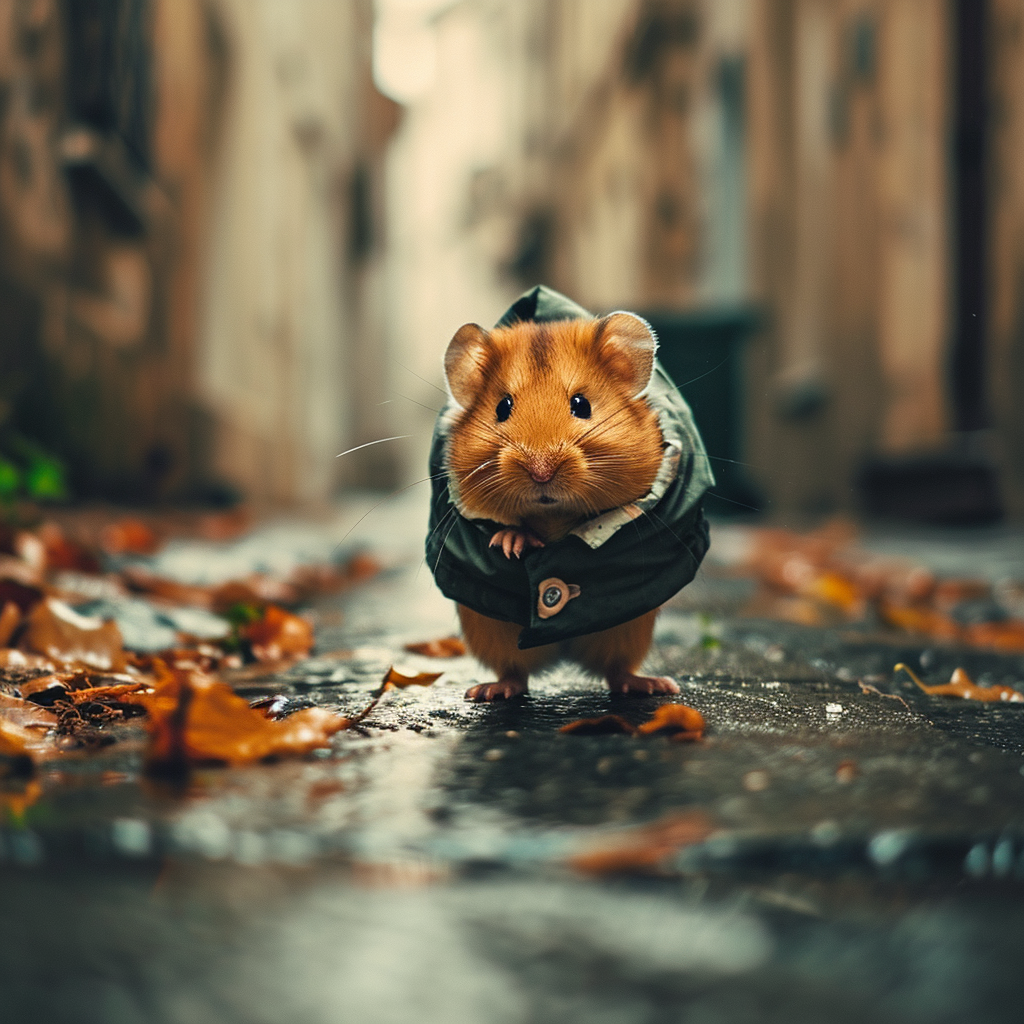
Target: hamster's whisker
x: 380, y: 440
x: 388, y: 497
x: 409, y: 369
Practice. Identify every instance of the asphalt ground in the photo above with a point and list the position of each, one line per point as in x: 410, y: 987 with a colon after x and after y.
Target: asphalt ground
x: 839, y: 846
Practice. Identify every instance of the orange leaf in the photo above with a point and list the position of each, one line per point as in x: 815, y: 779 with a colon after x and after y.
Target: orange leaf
x: 116, y: 692
x: 24, y: 727
x: 448, y: 647
x: 685, y: 722
x: 194, y: 717
x: 1007, y: 636
x: 58, y: 631
x: 10, y: 619
x: 645, y: 847
x: 961, y: 685
x: 603, y: 725
x: 398, y: 681
x: 278, y: 634
x: 129, y: 536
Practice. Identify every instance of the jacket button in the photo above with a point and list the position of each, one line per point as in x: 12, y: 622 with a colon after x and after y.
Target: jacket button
x: 554, y: 595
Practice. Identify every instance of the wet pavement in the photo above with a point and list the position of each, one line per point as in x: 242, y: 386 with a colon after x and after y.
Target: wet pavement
x: 857, y: 848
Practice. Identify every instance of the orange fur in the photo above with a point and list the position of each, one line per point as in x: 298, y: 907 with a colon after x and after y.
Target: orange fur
x: 543, y: 470
x: 596, y: 464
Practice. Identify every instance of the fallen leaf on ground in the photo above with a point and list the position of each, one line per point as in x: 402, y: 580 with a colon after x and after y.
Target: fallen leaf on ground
x: 11, y: 657
x: 44, y: 689
x: 683, y: 722
x: 961, y: 685
x: 448, y: 647
x: 128, y: 537
x: 644, y: 848
x: 603, y: 725
x: 58, y: 631
x: 677, y: 720
x: 278, y: 634
x: 194, y: 717
x: 396, y: 680
x: 10, y: 619
x: 25, y: 728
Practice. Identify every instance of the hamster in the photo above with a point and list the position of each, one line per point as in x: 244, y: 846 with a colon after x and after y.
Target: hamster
x: 550, y: 428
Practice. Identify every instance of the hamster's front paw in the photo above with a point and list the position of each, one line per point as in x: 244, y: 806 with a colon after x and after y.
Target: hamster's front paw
x: 514, y: 542
x: 626, y: 682
x: 503, y: 689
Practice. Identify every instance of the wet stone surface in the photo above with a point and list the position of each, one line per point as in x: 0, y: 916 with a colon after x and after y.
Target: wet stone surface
x: 863, y: 856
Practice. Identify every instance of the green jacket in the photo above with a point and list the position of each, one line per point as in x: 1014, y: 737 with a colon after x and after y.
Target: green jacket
x: 608, y: 570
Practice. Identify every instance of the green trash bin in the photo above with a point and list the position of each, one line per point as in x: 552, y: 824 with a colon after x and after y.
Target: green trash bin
x: 702, y: 350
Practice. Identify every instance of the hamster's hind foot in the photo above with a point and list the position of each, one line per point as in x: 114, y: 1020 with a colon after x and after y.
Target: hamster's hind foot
x: 627, y: 683
x: 514, y: 542
x: 504, y: 689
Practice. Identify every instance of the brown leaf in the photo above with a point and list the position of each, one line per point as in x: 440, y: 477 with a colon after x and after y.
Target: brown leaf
x: 10, y: 657
x: 58, y: 631
x: 685, y: 723
x: 44, y: 689
x: 63, y: 553
x: 604, y: 725
x: 114, y: 693
x: 646, y: 847
x: 24, y: 729
x: 128, y: 537
x: 145, y: 582
x: 396, y: 680
x: 194, y: 717
x: 10, y: 619
x: 447, y: 647
x: 278, y: 634
x: 961, y: 685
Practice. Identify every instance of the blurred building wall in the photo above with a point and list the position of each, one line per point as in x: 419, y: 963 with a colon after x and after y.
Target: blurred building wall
x: 291, y: 359
x: 101, y: 223
x: 798, y: 154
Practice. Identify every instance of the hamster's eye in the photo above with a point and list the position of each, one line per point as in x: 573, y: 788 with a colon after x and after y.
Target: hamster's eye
x: 579, y: 407
x: 504, y: 409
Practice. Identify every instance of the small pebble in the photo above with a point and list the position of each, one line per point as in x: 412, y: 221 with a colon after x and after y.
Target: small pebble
x: 604, y: 766
x: 642, y: 755
x: 494, y: 755
x: 846, y: 772
x: 512, y: 734
x: 756, y: 781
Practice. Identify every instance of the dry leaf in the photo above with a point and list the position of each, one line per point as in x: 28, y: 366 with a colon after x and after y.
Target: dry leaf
x: 961, y: 685
x: 396, y: 680
x: 683, y: 722
x: 448, y: 647
x: 58, y: 631
x: 279, y: 634
x: 44, y: 689
x: 128, y: 537
x: 646, y: 847
x: 194, y: 717
x: 10, y: 619
x: 677, y: 720
x: 604, y: 725
x: 25, y: 728
x: 11, y: 657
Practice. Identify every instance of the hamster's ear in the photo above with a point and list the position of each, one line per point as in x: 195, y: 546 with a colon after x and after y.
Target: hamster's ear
x: 626, y: 344
x: 465, y: 362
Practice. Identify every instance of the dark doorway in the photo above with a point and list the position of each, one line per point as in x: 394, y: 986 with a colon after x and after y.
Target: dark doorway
x: 967, y: 366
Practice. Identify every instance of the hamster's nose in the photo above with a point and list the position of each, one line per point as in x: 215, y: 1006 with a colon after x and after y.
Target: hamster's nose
x: 541, y: 468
